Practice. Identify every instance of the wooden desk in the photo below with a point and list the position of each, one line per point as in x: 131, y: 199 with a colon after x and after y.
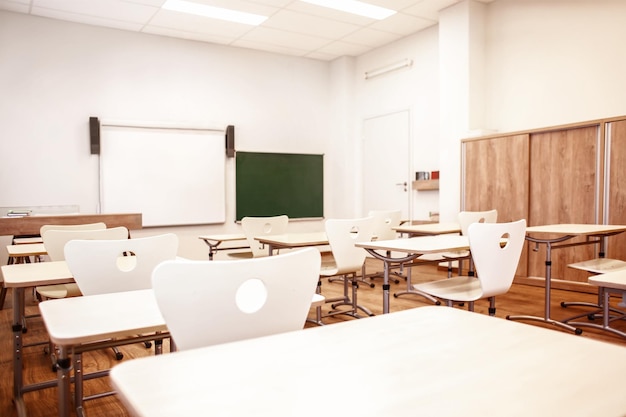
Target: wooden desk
x: 80, y: 324
x: 30, y: 225
x: 429, y: 229
x: 413, y: 247
x: 214, y: 241
x: 427, y: 361
x: 551, y: 235
x: 293, y: 240
x: 18, y: 277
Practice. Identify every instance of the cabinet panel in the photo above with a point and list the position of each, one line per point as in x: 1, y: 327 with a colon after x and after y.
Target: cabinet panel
x: 616, y: 186
x: 564, y: 179
x: 496, y: 174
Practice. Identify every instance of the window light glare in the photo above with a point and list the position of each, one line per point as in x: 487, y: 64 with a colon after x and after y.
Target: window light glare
x: 355, y: 7
x: 214, y: 12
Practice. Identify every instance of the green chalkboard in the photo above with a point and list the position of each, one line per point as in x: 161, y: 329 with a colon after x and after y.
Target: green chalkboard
x: 271, y: 184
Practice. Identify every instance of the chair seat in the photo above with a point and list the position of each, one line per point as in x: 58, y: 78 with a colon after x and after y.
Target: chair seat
x: 456, y: 288
x: 59, y: 291
x: 241, y: 255
x: 599, y: 265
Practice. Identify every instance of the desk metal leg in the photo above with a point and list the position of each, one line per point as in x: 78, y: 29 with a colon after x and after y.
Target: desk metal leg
x: 18, y: 382
x: 64, y: 364
x: 548, y: 282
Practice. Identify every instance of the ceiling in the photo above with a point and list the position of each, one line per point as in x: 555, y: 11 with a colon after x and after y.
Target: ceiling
x: 293, y: 27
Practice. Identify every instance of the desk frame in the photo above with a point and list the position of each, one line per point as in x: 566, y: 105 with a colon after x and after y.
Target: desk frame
x: 592, y: 237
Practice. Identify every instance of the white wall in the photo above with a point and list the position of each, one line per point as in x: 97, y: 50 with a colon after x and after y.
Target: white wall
x: 554, y: 62
x: 544, y: 62
x: 416, y: 89
x: 55, y: 75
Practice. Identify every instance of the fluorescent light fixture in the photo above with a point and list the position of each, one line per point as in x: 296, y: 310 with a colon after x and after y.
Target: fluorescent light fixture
x: 389, y: 68
x: 355, y: 7
x: 214, y: 12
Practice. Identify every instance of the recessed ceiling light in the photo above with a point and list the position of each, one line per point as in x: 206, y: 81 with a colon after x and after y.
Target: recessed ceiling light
x: 214, y: 12
x: 355, y: 7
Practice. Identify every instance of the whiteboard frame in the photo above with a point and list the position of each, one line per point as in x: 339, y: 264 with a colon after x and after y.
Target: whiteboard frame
x: 172, y: 173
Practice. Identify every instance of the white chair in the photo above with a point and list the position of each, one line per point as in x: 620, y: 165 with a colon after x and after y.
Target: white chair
x: 465, y: 219
x: 384, y: 222
x: 494, y: 261
x: 54, y: 241
x: 347, y: 260
x: 210, y: 302
x: 261, y: 226
x: 85, y: 226
x: 107, y: 266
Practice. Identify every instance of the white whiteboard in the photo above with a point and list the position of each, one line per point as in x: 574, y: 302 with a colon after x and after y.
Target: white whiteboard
x: 173, y: 176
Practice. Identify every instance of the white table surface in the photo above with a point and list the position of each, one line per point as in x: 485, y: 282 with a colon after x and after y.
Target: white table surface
x: 429, y: 228
x: 34, y: 274
x: 428, y: 361
x: 26, y: 249
x: 294, y: 240
x: 576, y: 229
x: 79, y: 320
x: 420, y: 244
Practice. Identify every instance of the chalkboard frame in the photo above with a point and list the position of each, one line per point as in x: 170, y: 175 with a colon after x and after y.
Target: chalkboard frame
x: 271, y: 184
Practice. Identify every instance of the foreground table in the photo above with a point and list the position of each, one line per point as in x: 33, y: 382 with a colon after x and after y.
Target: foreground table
x: 552, y: 235
x: 19, y: 277
x: 80, y: 324
x: 427, y: 361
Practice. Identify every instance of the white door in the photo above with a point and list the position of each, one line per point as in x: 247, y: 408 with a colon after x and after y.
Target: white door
x: 386, y: 162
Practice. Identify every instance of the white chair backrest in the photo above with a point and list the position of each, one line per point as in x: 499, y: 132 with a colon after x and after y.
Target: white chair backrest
x: 87, y: 226
x: 107, y: 266
x: 384, y: 220
x: 496, y: 264
x: 342, y: 235
x: 210, y: 302
x: 54, y: 240
x: 468, y: 217
x: 262, y: 226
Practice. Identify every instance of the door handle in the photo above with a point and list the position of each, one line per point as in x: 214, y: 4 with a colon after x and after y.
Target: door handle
x: 404, y: 184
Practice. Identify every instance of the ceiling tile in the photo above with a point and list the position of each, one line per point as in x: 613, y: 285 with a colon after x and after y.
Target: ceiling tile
x: 292, y: 28
x: 308, y: 24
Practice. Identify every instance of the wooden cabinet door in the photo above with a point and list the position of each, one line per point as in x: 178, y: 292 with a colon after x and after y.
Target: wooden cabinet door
x: 565, y: 174
x: 496, y: 176
x: 495, y: 172
x: 616, y: 186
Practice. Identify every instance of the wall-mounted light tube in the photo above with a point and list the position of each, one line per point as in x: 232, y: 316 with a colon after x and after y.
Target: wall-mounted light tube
x: 389, y: 68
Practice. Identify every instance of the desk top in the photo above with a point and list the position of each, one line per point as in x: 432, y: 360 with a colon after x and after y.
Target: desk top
x: 76, y: 320
x: 37, y: 273
x: 30, y: 225
x: 577, y: 229
x: 225, y: 237
x: 425, y: 361
x: 429, y: 228
x: 615, y: 279
x: 295, y: 240
x: 420, y: 244
x: 26, y: 249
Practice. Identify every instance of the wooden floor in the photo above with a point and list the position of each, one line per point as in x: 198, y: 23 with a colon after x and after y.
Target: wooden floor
x: 521, y: 299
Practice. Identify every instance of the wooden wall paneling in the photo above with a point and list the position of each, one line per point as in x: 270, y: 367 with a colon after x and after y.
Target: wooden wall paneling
x: 564, y: 171
x: 496, y: 174
x: 616, y: 186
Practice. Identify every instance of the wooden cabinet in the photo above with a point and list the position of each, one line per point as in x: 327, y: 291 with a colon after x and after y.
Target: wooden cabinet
x: 565, y: 174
